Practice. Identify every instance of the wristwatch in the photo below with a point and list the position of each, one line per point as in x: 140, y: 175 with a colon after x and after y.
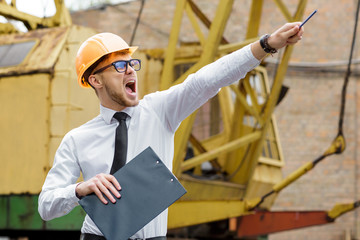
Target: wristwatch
x: 265, y: 45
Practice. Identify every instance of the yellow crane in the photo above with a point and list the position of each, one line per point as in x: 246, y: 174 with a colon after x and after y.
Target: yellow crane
x: 243, y: 151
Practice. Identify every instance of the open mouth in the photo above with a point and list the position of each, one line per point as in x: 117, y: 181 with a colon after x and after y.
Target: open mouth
x: 130, y: 86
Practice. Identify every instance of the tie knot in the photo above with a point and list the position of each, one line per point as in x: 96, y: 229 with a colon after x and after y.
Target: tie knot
x: 120, y: 116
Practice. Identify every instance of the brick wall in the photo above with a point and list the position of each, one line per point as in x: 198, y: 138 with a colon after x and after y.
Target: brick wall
x: 153, y: 30
x: 307, y: 121
x: 307, y: 117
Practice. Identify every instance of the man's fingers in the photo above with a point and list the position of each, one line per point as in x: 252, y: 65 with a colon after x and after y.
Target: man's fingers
x: 292, y: 32
x: 289, y: 26
x: 294, y: 39
x: 103, y: 184
x: 98, y: 188
x: 100, y: 196
x: 285, y: 35
x: 113, y: 180
x: 111, y: 187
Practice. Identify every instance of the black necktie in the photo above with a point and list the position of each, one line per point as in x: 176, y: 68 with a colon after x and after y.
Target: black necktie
x: 121, y: 139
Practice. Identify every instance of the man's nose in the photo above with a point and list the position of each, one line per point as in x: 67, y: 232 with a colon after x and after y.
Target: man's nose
x: 129, y: 69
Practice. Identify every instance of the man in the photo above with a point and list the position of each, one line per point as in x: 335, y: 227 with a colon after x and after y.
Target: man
x: 104, y: 62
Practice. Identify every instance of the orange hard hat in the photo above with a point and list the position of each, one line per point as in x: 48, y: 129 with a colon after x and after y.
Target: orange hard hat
x: 96, y: 47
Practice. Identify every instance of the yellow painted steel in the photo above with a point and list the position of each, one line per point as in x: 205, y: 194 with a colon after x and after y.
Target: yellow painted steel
x: 182, y: 136
x: 272, y: 100
x: 254, y: 165
x: 61, y: 17
x: 230, y: 47
x: 284, y: 10
x: 227, y: 110
x: 264, y: 178
x: 230, y: 146
x: 337, y: 146
x: 239, y: 104
x: 220, y: 190
x: 24, y: 128
x: 293, y: 176
x: 242, y: 99
x: 340, y: 209
x: 195, y: 212
x: 250, y: 166
x: 167, y: 76
x: 7, y: 28
x: 151, y: 68
x: 254, y: 19
x: 245, y: 152
x: 70, y: 106
x: 42, y: 56
x: 195, y: 24
x: 41, y: 101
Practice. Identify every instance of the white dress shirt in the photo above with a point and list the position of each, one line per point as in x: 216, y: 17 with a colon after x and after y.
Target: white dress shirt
x: 90, y: 148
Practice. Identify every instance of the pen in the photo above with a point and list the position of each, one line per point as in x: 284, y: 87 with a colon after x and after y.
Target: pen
x: 307, y: 19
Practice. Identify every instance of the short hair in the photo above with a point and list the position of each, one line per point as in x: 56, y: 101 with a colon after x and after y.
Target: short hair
x: 90, y: 70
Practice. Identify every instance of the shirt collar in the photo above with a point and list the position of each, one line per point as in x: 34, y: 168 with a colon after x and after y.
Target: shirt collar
x: 107, y: 113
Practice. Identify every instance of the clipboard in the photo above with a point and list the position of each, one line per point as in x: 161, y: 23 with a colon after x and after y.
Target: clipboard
x: 148, y: 187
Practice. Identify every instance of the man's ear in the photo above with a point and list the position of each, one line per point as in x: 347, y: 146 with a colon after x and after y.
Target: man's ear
x: 95, y: 81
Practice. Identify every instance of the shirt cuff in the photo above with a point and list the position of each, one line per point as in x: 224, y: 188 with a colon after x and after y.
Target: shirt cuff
x: 71, y: 195
x: 251, y: 59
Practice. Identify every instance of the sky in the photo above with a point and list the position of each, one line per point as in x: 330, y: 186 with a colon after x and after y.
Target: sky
x: 41, y: 8
x: 46, y: 8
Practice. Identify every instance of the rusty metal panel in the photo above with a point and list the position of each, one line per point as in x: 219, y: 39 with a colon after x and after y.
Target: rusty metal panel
x: 264, y: 178
x: 24, y: 127
x: 261, y: 223
x: 187, y: 213
x: 71, y: 105
x: 210, y: 190
x: 41, y: 103
x: 42, y: 56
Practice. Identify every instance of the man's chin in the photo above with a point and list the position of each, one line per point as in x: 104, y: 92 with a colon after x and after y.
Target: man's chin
x: 133, y: 103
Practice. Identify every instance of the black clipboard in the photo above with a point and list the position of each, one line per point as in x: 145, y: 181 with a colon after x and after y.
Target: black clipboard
x: 148, y: 187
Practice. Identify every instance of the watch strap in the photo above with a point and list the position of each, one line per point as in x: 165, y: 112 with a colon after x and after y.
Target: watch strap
x: 265, y: 45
